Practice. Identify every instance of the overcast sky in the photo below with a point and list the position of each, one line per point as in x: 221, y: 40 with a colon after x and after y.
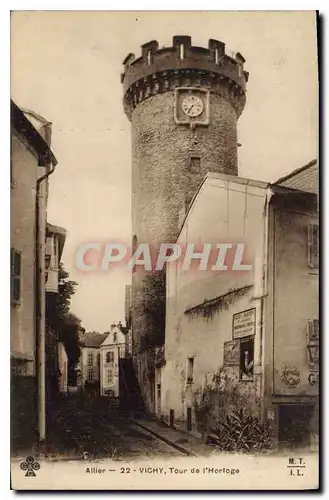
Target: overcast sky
x: 66, y: 66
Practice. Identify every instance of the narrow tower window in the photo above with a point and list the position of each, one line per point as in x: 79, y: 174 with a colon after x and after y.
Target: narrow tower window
x: 195, y: 164
x: 149, y: 58
x: 181, y: 51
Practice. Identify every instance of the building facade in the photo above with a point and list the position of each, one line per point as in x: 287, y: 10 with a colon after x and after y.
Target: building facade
x: 183, y: 103
x: 89, y: 362
x: 32, y: 161
x: 245, y: 338
x: 55, y: 240
x: 112, y: 349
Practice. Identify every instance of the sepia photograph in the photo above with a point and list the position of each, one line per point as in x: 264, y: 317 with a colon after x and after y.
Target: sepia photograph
x: 164, y: 253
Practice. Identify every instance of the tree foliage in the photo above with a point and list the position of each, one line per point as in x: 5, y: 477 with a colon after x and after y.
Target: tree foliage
x: 154, y: 306
x: 61, y: 320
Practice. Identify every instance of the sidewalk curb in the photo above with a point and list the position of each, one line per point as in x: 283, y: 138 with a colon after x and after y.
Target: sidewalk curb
x: 165, y: 440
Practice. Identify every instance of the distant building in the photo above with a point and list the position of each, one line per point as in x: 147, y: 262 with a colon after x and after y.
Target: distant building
x: 113, y: 349
x: 246, y: 339
x: 89, y: 363
x: 32, y: 161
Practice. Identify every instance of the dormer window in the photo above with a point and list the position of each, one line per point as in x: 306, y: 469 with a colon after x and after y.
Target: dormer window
x: 181, y: 51
x: 114, y: 337
x: 110, y: 357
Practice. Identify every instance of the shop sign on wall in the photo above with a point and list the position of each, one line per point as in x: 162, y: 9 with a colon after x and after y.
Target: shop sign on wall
x: 244, y: 324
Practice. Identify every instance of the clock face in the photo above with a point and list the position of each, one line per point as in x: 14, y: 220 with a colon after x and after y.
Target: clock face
x: 192, y: 105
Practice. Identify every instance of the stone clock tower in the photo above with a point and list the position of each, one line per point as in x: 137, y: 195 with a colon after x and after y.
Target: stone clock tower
x: 183, y: 103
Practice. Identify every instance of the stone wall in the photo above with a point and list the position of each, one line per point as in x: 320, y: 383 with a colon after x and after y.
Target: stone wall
x: 164, y: 179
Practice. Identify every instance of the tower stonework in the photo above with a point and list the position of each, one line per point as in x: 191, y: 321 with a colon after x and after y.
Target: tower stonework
x: 183, y: 103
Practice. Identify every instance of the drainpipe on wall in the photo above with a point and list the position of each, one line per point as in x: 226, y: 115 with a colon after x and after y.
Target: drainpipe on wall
x: 39, y: 326
x: 264, y: 292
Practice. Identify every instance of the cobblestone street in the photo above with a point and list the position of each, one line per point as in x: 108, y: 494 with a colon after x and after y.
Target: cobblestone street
x: 91, y: 429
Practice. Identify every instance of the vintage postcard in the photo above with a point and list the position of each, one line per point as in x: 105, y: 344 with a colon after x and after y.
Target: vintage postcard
x: 164, y: 250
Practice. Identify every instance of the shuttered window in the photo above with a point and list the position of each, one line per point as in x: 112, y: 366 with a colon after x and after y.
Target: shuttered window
x: 15, y: 276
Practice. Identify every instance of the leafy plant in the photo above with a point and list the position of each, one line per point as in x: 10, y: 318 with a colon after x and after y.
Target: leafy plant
x: 240, y: 432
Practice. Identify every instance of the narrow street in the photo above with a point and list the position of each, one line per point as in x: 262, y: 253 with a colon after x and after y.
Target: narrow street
x: 91, y: 429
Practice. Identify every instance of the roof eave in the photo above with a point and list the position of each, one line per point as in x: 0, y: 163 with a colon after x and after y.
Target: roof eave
x: 23, y: 126
x: 296, y: 171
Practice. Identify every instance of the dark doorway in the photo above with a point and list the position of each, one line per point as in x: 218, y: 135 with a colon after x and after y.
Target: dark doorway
x: 172, y: 418
x: 295, y: 425
x: 158, y: 403
x: 189, y: 418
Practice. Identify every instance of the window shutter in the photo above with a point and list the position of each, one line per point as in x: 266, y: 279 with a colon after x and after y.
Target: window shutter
x: 313, y: 245
x: 15, y: 275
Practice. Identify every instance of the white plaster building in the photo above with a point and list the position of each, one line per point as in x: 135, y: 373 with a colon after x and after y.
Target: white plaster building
x: 245, y: 338
x: 89, y: 362
x: 112, y: 349
x: 32, y: 162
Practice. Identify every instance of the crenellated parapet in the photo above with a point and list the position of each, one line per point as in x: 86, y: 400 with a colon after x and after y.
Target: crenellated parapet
x: 162, y: 70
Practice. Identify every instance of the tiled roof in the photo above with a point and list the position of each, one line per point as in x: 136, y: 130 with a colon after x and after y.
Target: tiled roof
x: 303, y: 179
x: 92, y: 339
